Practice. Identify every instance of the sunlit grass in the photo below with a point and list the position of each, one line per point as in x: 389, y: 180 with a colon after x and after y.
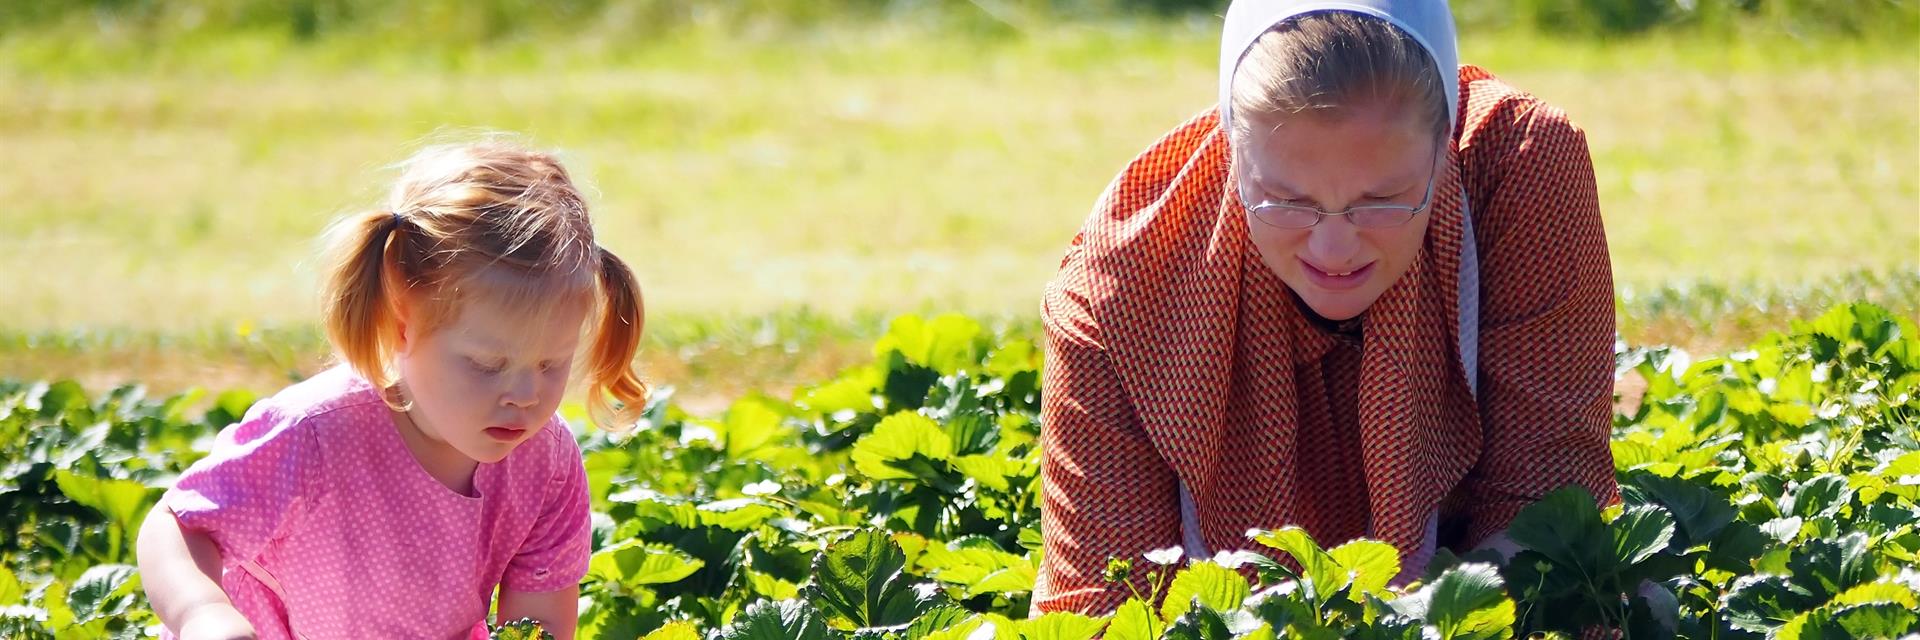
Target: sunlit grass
x: 155, y: 192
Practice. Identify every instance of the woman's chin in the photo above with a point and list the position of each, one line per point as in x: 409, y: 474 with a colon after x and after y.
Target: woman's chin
x: 1336, y: 306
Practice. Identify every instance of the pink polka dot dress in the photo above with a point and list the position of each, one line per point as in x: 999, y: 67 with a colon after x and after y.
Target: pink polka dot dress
x: 329, y: 528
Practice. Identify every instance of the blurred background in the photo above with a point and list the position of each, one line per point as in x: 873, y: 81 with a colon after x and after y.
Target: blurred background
x: 786, y: 174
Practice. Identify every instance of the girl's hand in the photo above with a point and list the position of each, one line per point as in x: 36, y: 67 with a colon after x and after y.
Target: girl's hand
x: 558, y: 611
x: 218, y: 621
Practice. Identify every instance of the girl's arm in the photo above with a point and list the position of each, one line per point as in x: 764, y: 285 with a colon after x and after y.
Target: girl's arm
x: 180, y: 570
x: 558, y: 611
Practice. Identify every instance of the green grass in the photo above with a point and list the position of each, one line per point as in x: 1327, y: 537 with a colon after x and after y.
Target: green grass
x: 160, y: 195
x: 713, y: 359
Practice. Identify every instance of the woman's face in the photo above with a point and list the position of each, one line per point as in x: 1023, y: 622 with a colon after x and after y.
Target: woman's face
x: 1359, y: 157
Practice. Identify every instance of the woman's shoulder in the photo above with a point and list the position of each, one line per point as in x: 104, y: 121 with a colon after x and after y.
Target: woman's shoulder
x: 1497, y: 116
x: 1154, y: 221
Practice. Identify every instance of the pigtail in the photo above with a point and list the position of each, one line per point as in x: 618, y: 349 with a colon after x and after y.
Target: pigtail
x: 609, y: 371
x: 365, y: 273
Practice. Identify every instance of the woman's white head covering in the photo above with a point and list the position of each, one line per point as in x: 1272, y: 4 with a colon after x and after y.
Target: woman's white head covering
x: 1429, y: 22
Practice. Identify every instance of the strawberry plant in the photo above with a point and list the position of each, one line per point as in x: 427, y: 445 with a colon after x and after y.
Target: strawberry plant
x: 1773, y: 492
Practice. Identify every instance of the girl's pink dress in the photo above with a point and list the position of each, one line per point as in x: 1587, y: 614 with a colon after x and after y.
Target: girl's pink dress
x: 329, y: 528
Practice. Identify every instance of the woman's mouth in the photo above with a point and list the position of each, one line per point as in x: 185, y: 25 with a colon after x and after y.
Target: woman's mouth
x: 1337, y: 279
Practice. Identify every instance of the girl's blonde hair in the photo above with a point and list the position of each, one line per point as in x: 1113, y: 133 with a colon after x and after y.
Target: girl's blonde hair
x: 1325, y: 62
x: 489, y: 220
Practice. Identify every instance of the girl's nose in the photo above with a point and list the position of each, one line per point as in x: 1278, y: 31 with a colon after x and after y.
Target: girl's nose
x: 523, y: 392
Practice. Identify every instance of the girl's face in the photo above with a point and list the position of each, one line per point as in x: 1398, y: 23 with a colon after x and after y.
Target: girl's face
x: 1368, y: 156
x: 486, y: 382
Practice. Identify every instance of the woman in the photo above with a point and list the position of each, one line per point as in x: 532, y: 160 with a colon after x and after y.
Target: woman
x: 1369, y: 296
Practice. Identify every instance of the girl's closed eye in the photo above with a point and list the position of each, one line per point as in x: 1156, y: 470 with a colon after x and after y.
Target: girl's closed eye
x: 487, y: 367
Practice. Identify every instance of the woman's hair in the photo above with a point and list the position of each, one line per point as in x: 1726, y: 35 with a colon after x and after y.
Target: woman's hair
x: 490, y: 221
x: 1325, y: 62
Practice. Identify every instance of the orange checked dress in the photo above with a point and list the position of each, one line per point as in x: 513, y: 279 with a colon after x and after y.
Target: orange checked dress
x: 1177, y: 360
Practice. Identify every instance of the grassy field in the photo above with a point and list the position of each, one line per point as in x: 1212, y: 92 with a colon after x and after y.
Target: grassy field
x: 779, y: 195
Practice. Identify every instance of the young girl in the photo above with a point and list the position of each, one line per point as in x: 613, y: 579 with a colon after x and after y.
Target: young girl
x: 390, y: 496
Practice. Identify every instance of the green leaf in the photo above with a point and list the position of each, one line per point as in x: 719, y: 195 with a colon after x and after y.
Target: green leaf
x: 635, y: 563
x: 1654, y: 612
x: 898, y: 439
x: 751, y: 423
x: 1326, y: 573
x: 852, y: 391
x: 1565, y: 526
x: 971, y: 628
x: 937, y: 619
x: 230, y: 407
x: 771, y: 587
x: 1468, y: 601
x: 905, y: 384
x: 1206, y: 584
x: 1134, y: 620
x: 1783, y: 530
x: 59, y: 609
x: 1699, y: 512
x: 1877, y: 593
x: 1062, y: 625
x: 972, y: 432
x: 59, y: 398
x: 1879, y: 620
x: 979, y: 564
x: 11, y: 592
x: 1632, y: 453
x: 1735, y: 549
x: 1639, y: 533
x: 1372, y: 564
x: 861, y: 578
x: 782, y: 620
x: 739, y: 514
x: 1015, y: 579
x: 990, y: 471
x: 947, y: 344
x: 1200, y: 623
x: 1014, y: 357
x: 653, y: 511
x: 1761, y: 603
x: 1283, y: 606
x: 674, y: 631
x: 1820, y: 497
x: 123, y: 502
x: 1834, y: 565
x: 104, y: 590
x: 1907, y: 464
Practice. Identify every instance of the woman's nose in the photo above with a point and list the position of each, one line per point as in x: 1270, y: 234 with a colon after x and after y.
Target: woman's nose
x: 1334, y: 240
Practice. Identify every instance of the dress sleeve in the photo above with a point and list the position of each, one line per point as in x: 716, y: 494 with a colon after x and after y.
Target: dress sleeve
x: 1106, y: 492
x: 555, y: 554
x: 1547, y: 320
x: 243, y: 494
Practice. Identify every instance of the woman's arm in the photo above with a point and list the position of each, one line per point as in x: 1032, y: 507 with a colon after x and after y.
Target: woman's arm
x: 180, y: 570
x: 1547, y: 321
x: 558, y: 611
x: 1105, y: 492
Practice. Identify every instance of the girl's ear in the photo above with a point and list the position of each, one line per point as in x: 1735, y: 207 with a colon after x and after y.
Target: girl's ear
x: 403, y: 328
